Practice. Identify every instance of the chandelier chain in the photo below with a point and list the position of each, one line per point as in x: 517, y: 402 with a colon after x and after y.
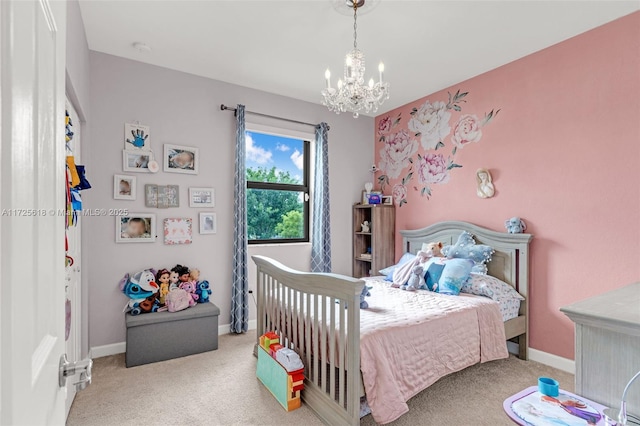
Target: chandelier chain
x: 355, y: 24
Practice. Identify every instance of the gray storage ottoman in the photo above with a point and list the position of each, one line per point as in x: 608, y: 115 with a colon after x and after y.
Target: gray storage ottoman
x: 159, y: 336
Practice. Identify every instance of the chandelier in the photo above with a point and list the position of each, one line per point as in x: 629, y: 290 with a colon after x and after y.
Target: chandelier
x: 352, y: 94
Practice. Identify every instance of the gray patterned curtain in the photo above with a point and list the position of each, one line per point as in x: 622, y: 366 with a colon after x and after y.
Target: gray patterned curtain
x: 239, y: 292
x: 320, y: 224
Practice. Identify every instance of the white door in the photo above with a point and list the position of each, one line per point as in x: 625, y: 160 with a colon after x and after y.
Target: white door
x: 73, y: 277
x: 32, y: 67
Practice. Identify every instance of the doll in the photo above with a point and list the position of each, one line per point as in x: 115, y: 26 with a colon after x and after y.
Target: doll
x: 183, y: 273
x: 194, y: 275
x: 173, y: 280
x: 162, y: 279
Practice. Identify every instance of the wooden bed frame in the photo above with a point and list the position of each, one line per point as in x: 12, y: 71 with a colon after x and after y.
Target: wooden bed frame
x: 318, y: 315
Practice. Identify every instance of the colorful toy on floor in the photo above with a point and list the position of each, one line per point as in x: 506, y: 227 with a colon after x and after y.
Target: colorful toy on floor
x: 142, y: 289
x: 273, y: 371
x: 269, y: 338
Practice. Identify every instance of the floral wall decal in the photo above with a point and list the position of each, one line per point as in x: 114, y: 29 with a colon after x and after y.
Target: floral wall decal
x: 415, y: 151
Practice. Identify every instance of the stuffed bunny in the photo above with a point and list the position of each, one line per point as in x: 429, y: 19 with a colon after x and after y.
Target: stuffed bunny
x: 416, y: 282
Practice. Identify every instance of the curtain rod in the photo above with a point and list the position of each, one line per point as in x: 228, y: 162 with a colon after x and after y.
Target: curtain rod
x: 223, y: 107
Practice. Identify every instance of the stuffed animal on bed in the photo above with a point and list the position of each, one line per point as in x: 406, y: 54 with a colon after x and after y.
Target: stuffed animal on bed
x: 365, y: 293
x: 142, y: 289
x: 416, y: 282
x: 203, y: 291
x: 190, y: 287
x: 433, y: 249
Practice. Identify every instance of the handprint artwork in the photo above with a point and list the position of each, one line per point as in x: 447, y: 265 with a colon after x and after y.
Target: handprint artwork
x: 136, y: 136
x: 138, y: 139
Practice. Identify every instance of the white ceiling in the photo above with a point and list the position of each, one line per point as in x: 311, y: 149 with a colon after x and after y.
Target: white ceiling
x: 284, y: 47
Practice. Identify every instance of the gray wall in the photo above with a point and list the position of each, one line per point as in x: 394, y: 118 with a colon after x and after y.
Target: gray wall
x: 77, y: 88
x: 184, y: 109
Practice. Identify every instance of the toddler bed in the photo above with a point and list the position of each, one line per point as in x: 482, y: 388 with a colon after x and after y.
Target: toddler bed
x: 404, y: 342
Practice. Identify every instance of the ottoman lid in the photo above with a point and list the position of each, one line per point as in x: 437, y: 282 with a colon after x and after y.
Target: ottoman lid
x: 197, y: 311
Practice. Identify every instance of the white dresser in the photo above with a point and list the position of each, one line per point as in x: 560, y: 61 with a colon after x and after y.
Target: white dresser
x: 608, y: 346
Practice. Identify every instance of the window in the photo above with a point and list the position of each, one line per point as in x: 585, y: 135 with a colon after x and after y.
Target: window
x: 277, y: 188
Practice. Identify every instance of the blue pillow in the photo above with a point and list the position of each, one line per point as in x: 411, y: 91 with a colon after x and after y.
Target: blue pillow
x: 388, y: 271
x: 455, y: 274
x: 466, y: 248
x: 434, y: 268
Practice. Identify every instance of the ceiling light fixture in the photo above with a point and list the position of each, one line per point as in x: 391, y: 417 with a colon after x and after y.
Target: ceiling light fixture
x: 352, y: 94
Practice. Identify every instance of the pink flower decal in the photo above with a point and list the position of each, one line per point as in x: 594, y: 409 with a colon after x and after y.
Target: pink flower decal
x: 395, y: 155
x: 432, y: 168
x: 466, y: 130
x: 399, y: 193
x: 384, y: 125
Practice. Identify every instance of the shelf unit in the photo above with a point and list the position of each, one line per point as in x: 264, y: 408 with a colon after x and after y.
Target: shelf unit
x: 381, y: 238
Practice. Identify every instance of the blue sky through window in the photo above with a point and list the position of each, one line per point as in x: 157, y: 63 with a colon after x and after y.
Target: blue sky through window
x: 268, y: 151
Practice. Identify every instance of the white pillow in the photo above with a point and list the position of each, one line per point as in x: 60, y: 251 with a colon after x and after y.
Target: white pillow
x: 491, y: 287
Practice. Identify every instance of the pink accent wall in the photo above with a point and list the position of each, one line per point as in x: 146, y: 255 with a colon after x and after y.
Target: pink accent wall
x: 564, y: 153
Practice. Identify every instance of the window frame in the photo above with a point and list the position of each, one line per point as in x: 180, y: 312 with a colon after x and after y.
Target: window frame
x: 304, y: 188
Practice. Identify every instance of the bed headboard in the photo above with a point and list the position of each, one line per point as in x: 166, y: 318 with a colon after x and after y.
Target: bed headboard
x: 510, y: 262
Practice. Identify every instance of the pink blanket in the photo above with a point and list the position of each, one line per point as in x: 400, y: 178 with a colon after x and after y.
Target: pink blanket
x: 409, y: 340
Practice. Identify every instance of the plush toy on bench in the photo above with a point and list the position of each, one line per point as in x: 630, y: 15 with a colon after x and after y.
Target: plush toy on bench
x: 203, y: 291
x: 142, y: 289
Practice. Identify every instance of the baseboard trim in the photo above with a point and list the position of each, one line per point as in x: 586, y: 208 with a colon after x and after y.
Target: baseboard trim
x: 121, y: 347
x: 106, y: 350
x: 226, y: 328
x: 552, y: 360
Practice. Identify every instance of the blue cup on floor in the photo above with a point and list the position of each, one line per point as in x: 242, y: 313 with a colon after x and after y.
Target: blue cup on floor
x: 548, y: 386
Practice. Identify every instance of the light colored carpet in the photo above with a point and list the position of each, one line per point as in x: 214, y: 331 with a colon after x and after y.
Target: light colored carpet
x: 220, y: 388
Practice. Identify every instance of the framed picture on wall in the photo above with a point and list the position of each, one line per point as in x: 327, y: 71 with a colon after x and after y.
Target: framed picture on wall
x: 202, y: 197
x: 177, y: 231
x: 136, y: 161
x: 161, y: 196
x: 180, y: 159
x: 208, y: 223
x: 136, y: 137
x: 151, y: 195
x: 124, y: 187
x: 136, y: 228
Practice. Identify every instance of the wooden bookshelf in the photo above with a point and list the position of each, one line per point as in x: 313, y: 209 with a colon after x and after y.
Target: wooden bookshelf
x: 381, y: 238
